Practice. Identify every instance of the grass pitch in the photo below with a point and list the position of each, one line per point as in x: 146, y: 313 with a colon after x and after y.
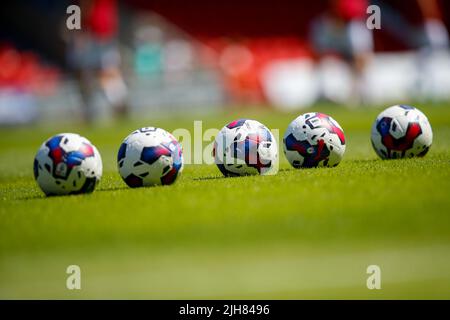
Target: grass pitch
x: 299, y: 234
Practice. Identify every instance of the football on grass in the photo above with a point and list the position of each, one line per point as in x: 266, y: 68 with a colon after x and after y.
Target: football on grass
x: 67, y: 164
x: 314, y: 140
x: 150, y: 156
x: 245, y: 147
x: 401, y: 132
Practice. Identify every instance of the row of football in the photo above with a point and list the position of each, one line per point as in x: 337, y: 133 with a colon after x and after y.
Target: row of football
x: 69, y: 164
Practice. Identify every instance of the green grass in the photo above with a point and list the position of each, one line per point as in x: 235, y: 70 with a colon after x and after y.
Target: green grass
x: 298, y: 234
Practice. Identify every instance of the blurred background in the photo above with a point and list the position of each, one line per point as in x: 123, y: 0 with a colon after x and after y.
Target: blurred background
x: 299, y: 234
x: 136, y: 58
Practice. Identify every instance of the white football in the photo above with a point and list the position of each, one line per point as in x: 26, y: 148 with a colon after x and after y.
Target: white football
x: 245, y: 147
x: 314, y: 140
x: 67, y: 163
x: 401, y: 132
x: 150, y: 156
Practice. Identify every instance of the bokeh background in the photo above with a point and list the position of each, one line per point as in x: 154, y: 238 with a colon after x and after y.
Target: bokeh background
x: 298, y: 234
x: 137, y: 58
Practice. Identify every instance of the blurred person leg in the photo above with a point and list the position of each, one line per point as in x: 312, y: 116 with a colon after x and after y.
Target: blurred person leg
x: 361, y: 41
x: 341, y: 31
x: 111, y: 80
x: 103, y: 22
x: 86, y: 84
x: 435, y: 29
x: 433, y: 48
x: 81, y: 61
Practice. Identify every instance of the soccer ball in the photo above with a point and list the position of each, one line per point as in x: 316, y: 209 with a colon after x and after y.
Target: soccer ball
x: 245, y: 147
x: 401, y: 132
x: 67, y: 163
x: 314, y: 140
x: 150, y: 156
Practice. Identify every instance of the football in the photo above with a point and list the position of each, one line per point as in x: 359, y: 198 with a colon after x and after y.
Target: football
x: 314, y: 140
x: 401, y: 132
x: 67, y: 163
x: 150, y: 156
x: 245, y: 147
